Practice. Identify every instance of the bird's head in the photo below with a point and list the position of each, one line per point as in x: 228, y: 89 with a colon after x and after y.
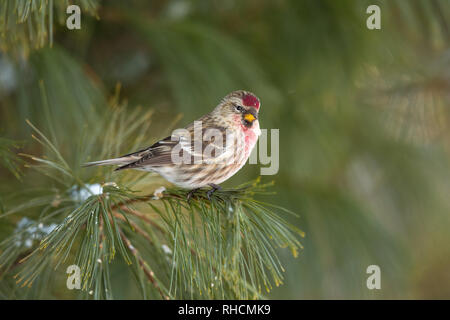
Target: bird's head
x: 239, y: 107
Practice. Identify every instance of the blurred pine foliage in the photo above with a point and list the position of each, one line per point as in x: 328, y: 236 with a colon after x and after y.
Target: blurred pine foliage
x: 363, y: 118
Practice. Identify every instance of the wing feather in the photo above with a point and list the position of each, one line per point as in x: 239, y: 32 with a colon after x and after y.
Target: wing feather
x: 213, y: 141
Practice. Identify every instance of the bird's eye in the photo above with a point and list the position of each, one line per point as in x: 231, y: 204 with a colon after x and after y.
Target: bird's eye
x: 239, y: 108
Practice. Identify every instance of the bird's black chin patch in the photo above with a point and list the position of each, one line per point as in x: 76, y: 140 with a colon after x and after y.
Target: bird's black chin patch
x: 247, y: 124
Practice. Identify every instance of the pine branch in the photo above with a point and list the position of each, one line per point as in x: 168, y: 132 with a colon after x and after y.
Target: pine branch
x: 8, y: 158
x: 28, y: 24
x: 148, y: 272
x: 223, y: 248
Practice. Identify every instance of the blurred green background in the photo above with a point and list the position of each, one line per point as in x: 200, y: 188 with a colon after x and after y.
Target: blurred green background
x: 363, y: 115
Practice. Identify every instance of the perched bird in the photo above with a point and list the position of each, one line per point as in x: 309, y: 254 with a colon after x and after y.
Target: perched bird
x: 207, y: 151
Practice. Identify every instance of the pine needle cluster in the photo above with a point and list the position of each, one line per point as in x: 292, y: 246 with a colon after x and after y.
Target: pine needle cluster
x: 224, y: 248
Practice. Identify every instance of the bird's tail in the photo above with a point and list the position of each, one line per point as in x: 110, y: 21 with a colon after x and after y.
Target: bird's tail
x: 108, y: 162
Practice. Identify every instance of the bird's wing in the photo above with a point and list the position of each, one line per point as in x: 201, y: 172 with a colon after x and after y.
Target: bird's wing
x: 185, y: 146
x: 156, y: 155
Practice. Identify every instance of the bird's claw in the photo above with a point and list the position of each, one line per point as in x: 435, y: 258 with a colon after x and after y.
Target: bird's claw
x: 214, y: 188
x: 190, y: 194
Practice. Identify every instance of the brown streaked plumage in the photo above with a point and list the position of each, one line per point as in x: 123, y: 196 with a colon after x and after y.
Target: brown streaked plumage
x: 228, y: 135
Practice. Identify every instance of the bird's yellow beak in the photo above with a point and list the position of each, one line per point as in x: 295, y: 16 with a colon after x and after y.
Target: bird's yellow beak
x: 249, y: 117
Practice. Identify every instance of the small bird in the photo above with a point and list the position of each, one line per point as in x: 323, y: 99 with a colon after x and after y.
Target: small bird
x: 206, y: 152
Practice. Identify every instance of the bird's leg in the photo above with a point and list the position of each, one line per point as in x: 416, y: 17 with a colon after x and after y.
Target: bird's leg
x: 214, y: 188
x: 190, y: 194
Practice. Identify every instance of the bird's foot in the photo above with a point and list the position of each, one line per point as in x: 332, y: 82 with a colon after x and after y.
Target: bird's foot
x: 190, y: 194
x: 214, y: 188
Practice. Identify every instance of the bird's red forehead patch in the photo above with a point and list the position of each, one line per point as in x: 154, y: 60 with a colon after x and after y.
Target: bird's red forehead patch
x: 250, y: 100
